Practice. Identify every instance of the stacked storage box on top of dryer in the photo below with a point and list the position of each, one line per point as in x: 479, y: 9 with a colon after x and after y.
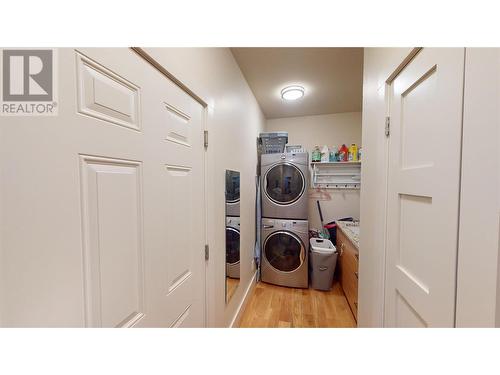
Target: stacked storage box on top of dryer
x: 285, y: 231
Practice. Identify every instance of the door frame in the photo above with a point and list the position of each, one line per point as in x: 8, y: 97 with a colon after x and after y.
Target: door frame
x: 478, y: 247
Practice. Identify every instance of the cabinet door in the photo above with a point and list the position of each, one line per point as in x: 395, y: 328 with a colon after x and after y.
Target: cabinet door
x: 342, y: 264
x: 348, y: 271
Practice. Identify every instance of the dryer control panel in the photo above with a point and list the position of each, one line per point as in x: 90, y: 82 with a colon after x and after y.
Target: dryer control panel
x: 299, y: 226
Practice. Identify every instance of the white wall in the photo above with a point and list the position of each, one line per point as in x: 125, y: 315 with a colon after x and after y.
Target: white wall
x: 331, y: 129
x: 234, y: 122
x: 379, y: 63
x: 480, y: 192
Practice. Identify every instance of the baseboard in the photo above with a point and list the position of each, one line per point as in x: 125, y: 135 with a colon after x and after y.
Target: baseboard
x: 235, y: 323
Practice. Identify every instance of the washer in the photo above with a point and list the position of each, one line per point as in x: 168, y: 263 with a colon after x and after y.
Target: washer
x: 284, y: 252
x: 284, y: 185
x: 233, y: 247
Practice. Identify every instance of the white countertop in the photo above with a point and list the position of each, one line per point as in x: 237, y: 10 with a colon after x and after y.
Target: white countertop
x: 351, y: 230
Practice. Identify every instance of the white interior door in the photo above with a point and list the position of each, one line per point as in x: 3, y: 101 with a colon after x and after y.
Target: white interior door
x: 102, y: 220
x: 423, y: 192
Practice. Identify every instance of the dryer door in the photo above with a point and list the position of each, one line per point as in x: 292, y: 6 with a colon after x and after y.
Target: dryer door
x: 232, y: 187
x: 284, y: 251
x: 284, y: 183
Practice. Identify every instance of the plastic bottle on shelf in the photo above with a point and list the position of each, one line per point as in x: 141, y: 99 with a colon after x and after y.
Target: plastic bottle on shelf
x: 343, y: 153
x: 337, y: 155
x: 316, y: 154
x: 333, y: 154
x: 359, y: 153
x: 353, y: 152
x: 325, y: 154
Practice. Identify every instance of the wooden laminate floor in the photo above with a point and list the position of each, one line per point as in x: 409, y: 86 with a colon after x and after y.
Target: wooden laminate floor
x: 231, y: 285
x: 276, y: 306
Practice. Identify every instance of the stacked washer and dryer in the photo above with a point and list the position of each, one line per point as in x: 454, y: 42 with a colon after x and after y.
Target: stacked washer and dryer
x: 285, y: 229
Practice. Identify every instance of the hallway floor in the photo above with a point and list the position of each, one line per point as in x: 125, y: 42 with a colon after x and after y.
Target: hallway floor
x: 276, y: 306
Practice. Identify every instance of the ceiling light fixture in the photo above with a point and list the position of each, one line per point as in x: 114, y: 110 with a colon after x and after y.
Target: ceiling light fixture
x: 292, y: 92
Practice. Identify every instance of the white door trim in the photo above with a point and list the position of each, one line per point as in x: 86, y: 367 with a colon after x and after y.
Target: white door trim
x: 151, y: 60
x: 478, y: 247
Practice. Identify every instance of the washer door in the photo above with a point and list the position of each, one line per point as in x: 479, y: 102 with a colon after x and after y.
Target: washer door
x: 232, y: 245
x: 284, y: 251
x: 285, y: 183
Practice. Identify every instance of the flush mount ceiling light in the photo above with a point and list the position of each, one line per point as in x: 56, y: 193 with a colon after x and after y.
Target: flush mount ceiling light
x: 292, y: 92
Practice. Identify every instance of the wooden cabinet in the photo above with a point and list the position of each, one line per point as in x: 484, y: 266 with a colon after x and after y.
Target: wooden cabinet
x: 348, y: 270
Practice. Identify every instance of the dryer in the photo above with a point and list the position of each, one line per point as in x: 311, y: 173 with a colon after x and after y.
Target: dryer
x: 284, y: 252
x: 232, y: 193
x: 233, y: 247
x: 284, y: 185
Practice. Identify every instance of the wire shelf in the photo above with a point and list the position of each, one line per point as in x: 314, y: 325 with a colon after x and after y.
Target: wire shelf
x: 336, y: 175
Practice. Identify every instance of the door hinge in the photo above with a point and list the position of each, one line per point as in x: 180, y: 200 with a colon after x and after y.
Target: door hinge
x: 207, y: 252
x: 205, y: 138
x: 387, y: 126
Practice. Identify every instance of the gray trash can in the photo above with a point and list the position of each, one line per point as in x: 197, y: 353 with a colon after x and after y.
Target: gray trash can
x: 322, y: 259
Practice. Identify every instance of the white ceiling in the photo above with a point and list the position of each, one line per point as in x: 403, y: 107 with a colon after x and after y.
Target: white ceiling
x: 332, y: 78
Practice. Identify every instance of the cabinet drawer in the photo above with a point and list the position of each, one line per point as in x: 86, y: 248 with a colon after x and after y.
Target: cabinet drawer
x: 345, y: 246
x: 350, y: 286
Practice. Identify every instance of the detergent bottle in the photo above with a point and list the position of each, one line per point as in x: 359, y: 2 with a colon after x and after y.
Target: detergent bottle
x: 343, y: 153
x: 325, y: 155
x: 333, y: 155
x: 316, y: 154
x: 353, y: 152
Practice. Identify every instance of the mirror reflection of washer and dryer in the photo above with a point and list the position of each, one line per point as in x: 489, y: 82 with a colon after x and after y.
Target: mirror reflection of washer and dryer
x: 232, y: 232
